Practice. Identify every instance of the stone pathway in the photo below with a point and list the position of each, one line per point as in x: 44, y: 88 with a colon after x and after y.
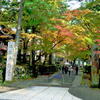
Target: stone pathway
x: 83, y: 91
x: 56, y: 79
x: 39, y: 93
x: 54, y: 87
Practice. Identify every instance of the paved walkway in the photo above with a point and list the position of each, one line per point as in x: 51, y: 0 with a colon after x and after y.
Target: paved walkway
x: 39, y: 93
x: 56, y: 79
x: 83, y: 91
x: 54, y: 87
x: 48, y: 88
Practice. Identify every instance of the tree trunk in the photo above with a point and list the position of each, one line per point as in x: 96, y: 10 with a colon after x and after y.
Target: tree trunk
x: 24, y: 52
x: 19, y: 56
x: 34, y: 70
x: 50, y: 59
x: 45, y: 59
x: 24, y: 58
x: 99, y: 74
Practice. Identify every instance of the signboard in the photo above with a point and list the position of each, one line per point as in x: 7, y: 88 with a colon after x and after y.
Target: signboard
x: 10, y: 61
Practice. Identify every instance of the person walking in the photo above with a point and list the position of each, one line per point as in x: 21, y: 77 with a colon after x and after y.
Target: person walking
x: 76, y: 70
x: 66, y: 69
x: 63, y: 70
x: 69, y: 70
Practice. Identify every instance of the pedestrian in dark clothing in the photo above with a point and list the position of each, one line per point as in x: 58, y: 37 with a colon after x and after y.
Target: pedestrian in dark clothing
x: 3, y: 74
x: 63, y: 70
x: 76, y: 70
x: 66, y: 69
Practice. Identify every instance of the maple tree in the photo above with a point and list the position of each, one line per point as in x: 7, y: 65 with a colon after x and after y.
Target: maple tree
x: 70, y: 34
x: 95, y: 30
x: 73, y: 34
x: 36, y: 15
x: 88, y: 21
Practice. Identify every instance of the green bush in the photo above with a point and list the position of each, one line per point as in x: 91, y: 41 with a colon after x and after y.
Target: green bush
x: 22, y: 72
x: 87, y: 69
